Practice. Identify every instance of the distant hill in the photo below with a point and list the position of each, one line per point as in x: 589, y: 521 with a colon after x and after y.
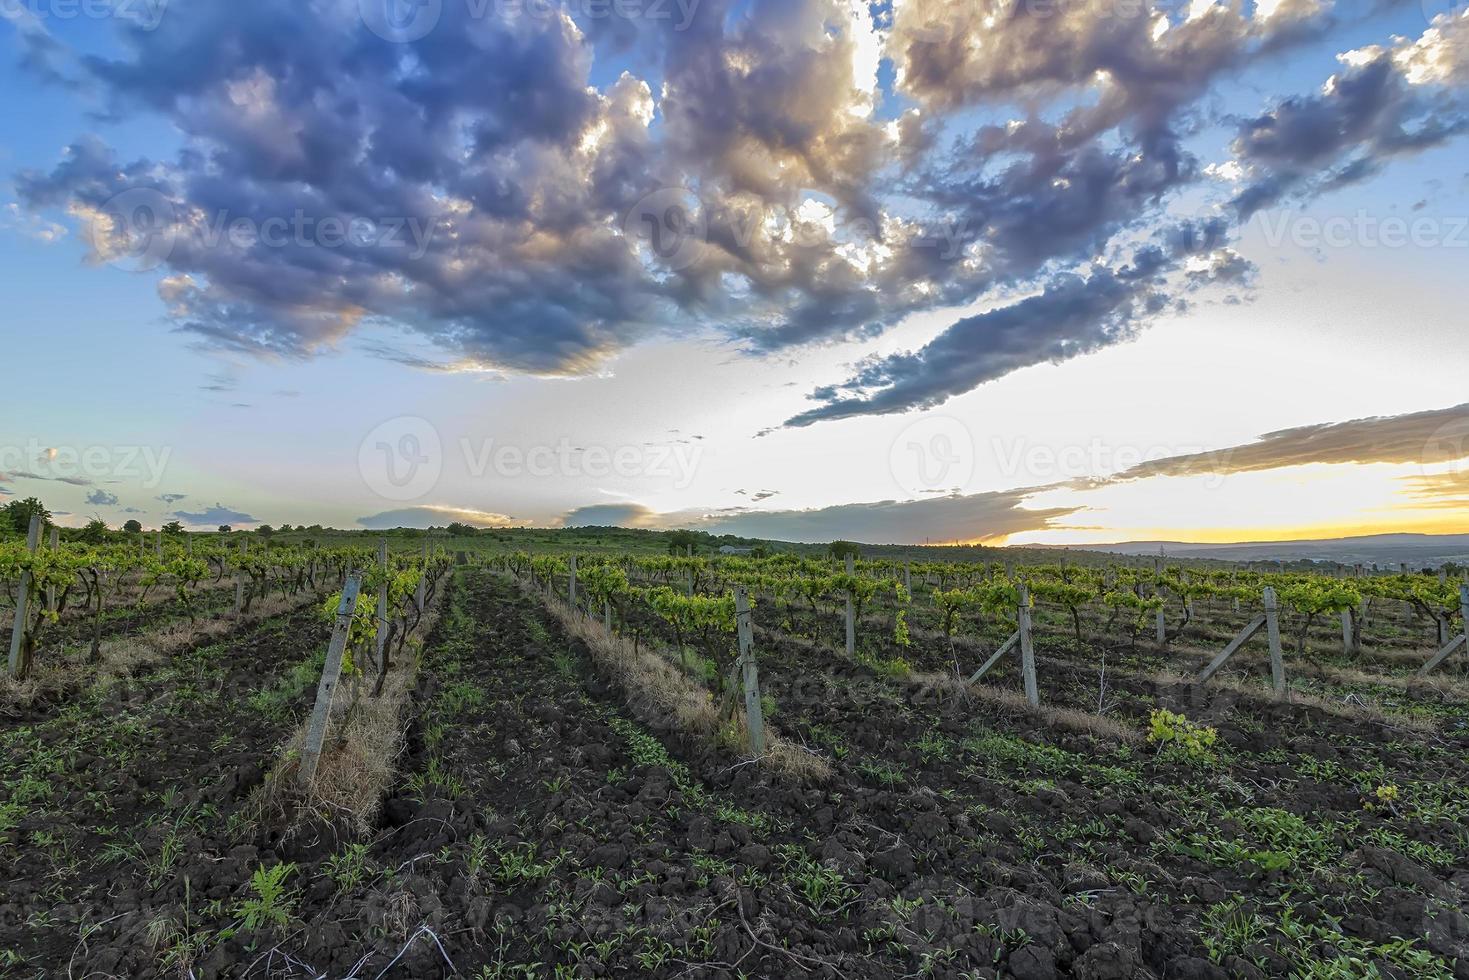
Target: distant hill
x: 1386, y: 550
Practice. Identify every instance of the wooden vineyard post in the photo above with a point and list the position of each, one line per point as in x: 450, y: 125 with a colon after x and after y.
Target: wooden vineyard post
x: 420, y: 597
x: 750, y: 673
x: 1027, y: 651
x: 1461, y: 640
x: 908, y: 578
x: 851, y: 614
x: 1244, y: 637
x: 571, y: 584
x: 380, y: 647
x: 331, y: 673
x: 22, y: 600
x: 1277, y: 657
x: 51, y: 589
x: 690, y: 572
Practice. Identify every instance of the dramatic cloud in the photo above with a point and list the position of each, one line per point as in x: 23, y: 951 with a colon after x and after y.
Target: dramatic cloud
x: 426, y: 517
x: 218, y: 514
x: 1446, y: 491
x: 535, y: 193
x: 101, y: 498
x: 1426, y: 438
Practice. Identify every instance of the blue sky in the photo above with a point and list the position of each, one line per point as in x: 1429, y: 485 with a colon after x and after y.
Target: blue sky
x: 1131, y: 306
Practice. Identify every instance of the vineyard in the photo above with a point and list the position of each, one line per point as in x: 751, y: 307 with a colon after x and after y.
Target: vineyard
x: 313, y: 760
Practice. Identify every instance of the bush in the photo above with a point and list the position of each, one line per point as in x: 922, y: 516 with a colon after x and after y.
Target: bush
x: 1176, y: 736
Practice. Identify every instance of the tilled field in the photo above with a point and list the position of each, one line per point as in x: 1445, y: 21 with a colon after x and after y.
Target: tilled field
x: 542, y: 829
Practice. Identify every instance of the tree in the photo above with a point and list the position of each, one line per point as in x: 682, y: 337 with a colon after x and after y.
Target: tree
x: 18, y: 514
x: 286, y: 529
x: 95, y: 532
x: 460, y: 530
x: 133, y: 527
x: 225, y: 529
x: 841, y: 549
x: 173, y: 527
x: 679, y: 542
x: 265, y: 530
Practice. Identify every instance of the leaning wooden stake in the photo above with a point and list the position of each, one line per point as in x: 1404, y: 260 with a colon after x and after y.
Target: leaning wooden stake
x: 1027, y: 651
x: 1239, y: 641
x: 1277, y: 657
x: 995, y: 657
x: 22, y: 600
x: 1461, y: 640
x: 331, y: 673
x: 754, y: 711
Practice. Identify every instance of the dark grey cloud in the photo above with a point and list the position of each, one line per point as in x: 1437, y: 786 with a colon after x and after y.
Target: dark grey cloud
x: 971, y: 517
x: 75, y: 481
x: 613, y: 515
x: 101, y: 498
x: 1071, y: 316
x: 1429, y: 437
x: 427, y: 517
x: 1387, y: 103
x: 218, y: 514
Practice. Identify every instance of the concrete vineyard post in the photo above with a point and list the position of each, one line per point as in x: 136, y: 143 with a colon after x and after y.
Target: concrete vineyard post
x: 382, y: 604
x: 1348, y: 636
x: 754, y: 711
x: 607, y: 614
x: 851, y: 614
x: 331, y: 673
x: 1277, y: 657
x: 158, y: 545
x: 51, y: 589
x: 571, y: 584
x: 908, y: 579
x: 690, y: 571
x: 1027, y: 651
x: 22, y: 600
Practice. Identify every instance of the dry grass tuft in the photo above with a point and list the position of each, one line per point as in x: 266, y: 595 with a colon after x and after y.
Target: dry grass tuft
x: 1355, y: 707
x: 359, y: 759
x: 1013, y: 702
x: 655, y: 688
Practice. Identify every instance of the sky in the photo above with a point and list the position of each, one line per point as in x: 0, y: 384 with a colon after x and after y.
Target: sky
x: 1039, y: 271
